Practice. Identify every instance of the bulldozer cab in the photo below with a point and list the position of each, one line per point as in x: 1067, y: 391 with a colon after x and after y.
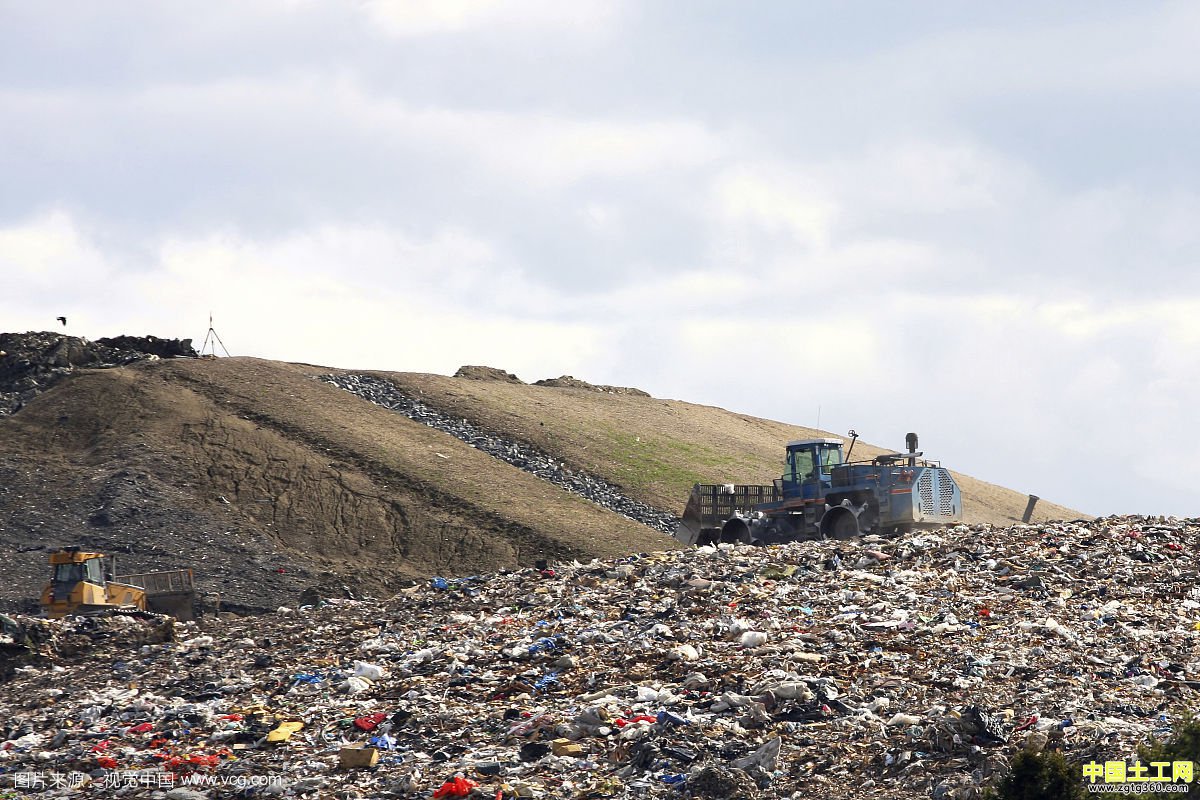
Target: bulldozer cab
x: 808, y: 466
x: 72, y: 567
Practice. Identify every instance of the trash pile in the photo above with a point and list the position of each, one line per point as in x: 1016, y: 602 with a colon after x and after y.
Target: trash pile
x: 571, y: 382
x: 518, y: 454
x: 908, y: 667
x: 31, y: 363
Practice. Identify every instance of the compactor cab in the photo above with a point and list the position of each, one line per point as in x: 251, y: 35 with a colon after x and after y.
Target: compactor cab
x: 809, y: 465
x: 80, y: 584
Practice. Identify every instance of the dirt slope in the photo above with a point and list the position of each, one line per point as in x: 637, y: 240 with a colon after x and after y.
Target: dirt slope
x: 269, y: 482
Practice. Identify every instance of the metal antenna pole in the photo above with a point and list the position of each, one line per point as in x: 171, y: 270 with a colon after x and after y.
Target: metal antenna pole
x: 212, y: 337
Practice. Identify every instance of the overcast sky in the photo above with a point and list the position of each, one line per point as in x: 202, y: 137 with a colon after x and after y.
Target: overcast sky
x: 979, y: 222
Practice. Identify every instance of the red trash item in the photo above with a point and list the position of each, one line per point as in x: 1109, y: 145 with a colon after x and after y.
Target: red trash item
x: 108, y: 762
x: 369, y: 722
x: 1027, y: 724
x: 622, y: 722
x: 145, y: 727
x: 458, y: 787
x: 191, y: 762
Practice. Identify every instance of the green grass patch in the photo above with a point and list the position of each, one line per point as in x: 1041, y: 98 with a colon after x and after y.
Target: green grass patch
x: 669, y: 466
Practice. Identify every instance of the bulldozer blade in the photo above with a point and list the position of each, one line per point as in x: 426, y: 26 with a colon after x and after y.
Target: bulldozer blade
x: 179, y: 606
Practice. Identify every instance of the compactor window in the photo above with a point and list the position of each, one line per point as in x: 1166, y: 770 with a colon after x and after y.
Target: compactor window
x: 801, y: 465
x: 830, y: 457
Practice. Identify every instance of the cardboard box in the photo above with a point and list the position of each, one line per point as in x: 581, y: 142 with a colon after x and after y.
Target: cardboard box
x: 565, y: 747
x: 356, y: 756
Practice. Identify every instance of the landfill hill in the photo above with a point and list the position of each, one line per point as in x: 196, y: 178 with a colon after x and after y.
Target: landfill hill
x: 912, y: 667
x: 270, y: 482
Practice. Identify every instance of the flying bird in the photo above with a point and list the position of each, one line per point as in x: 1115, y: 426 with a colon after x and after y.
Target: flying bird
x: 63, y: 320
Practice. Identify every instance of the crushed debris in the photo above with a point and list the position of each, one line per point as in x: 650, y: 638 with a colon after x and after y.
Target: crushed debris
x: 518, y: 454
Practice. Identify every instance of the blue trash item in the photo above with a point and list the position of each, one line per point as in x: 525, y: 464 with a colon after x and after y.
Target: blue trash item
x: 544, y: 644
x: 546, y: 680
x: 666, y: 718
x: 305, y: 677
x: 672, y: 779
x: 439, y: 583
x: 383, y: 742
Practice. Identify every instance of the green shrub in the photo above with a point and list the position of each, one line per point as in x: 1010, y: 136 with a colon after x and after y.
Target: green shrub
x: 1045, y: 776
x: 1182, y: 745
x: 1050, y: 776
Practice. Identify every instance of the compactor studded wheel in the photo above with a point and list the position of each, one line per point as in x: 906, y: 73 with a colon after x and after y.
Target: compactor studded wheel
x: 844, y: 526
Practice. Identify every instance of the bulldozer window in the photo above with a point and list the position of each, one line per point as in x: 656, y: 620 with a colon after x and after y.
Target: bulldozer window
x: 68, y: 573
x: 93, y: 571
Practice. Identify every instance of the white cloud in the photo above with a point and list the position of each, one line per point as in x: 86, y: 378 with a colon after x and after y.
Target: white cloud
x: 48, y: 256
x: 554, y: 151
x: 768, y: 198
x: 1141, y: 47
x: 296, y: 122
x: 406, y: 18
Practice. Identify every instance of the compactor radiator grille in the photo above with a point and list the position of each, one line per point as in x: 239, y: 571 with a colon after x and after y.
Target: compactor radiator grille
x: 945, y: 493
x: 925, y: 488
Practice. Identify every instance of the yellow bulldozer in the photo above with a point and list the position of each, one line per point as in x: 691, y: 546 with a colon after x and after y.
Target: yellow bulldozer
x: 81, y: 584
